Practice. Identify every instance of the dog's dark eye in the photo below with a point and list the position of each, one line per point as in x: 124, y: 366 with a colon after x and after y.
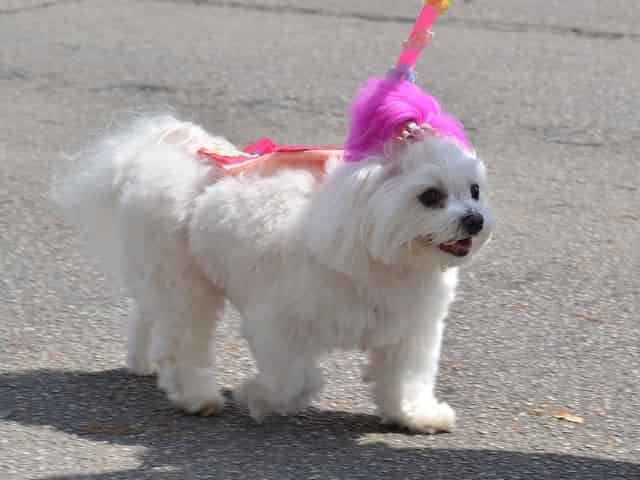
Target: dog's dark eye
x: 432, y: 197
x: 475, y: 191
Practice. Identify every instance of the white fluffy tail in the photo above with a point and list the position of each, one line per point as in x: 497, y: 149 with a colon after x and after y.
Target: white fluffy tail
x: 90, y: 195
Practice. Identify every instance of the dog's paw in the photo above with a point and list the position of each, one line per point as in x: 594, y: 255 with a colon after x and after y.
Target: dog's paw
x: 250, y: 395
x: 192, y: 390
x: 429, y: 418
x: 212, y: 409
x: 203, y: 404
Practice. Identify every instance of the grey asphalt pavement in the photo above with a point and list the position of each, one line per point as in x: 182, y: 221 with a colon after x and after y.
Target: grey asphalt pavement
x: 547, y: 318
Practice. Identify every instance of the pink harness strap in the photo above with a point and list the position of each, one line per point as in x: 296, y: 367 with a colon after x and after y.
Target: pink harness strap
x: 268, y: 157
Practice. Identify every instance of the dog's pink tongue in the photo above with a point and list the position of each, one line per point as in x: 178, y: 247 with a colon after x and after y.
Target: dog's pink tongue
x: 460, y: 247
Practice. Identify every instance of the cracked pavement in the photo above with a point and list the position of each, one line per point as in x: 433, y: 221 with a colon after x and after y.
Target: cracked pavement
x: 547, y: 319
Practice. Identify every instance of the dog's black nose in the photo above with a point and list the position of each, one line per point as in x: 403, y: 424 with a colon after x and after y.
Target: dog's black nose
x: 473, y: 223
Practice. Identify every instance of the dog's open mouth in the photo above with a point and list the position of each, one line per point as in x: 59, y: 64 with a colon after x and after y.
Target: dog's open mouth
x: 458, y: 248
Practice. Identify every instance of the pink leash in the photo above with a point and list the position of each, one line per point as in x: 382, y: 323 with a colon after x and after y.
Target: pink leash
x: 421, y: 34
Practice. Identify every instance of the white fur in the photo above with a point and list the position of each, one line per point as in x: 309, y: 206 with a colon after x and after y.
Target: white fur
x: 351, y: 262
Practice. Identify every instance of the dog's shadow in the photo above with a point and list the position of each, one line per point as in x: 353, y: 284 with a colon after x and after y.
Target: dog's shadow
x: 114, y: 407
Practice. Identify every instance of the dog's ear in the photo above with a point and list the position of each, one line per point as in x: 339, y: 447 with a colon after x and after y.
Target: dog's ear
x: 339, y: 223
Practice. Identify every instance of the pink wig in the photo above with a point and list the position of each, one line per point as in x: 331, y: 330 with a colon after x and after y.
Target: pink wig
x: 382, y: 108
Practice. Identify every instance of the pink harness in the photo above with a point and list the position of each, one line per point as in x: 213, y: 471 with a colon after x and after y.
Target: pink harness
x: 267, y: 157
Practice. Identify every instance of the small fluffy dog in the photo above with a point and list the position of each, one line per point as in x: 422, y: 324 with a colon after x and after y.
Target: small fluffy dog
x: 359, y: 251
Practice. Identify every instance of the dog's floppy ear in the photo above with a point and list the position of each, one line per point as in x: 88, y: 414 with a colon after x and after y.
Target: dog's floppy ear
x: 339, y: 221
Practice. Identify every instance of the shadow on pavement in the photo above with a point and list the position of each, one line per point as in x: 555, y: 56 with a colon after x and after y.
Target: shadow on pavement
x: 114, y: 407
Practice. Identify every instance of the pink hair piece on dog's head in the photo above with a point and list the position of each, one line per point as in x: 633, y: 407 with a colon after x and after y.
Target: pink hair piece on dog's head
x: 384, y: 106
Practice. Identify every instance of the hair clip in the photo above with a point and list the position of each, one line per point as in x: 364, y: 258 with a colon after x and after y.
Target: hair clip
x: 411, y: 133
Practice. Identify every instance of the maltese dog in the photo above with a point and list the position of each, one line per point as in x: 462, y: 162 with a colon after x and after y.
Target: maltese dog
x: 319, y: 249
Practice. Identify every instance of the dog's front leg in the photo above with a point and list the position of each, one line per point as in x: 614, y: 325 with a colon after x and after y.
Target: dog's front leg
x: 404, y: 378
x: 287, y: 380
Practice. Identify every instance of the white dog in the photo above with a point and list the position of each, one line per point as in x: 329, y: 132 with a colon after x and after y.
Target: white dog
x: 363, y: 256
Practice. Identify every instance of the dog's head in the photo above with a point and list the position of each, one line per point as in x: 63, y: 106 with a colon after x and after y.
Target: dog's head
x: 433, y: 206
x: 426, y: 206
x: 412, y: 192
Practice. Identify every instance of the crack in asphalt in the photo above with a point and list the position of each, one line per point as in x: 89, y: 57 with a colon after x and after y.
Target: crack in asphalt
x: 38, y: 6
x: 135, y: 87
x: 491, y: 25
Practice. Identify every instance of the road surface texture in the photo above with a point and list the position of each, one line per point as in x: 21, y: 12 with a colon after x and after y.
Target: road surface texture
x: 547, y: 318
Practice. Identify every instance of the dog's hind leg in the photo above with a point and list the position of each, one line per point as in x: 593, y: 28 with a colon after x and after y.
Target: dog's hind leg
x: 138, y: 342
x: 185, y: 320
